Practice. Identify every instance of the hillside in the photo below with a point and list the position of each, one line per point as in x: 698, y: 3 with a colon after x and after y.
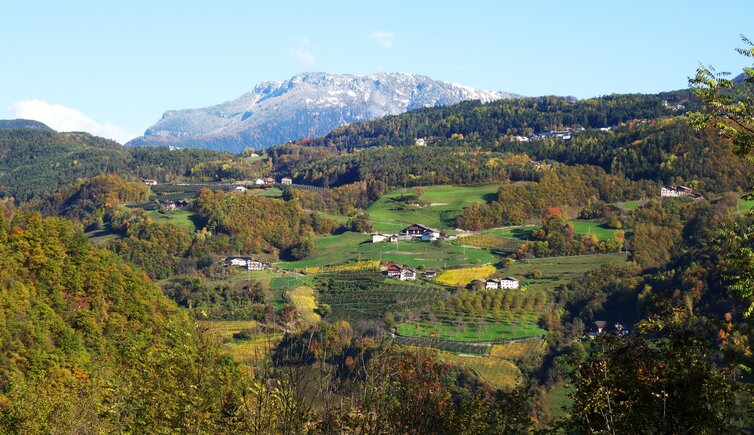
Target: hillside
x: 307, y: 105
x: 37, y: 161
x: 23, y: 123
x: 479, y: 124
x: 89, y: 344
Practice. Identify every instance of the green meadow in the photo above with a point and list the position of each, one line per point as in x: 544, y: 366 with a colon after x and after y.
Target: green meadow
x: 444, y: 204
x: 182, y: 218
x: 483, y: 332
x: 346, y: 247
x: 596, y: 228
x: 628, y: 205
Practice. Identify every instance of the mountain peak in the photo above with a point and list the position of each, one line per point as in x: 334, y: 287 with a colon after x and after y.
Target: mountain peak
x: 308, y: 104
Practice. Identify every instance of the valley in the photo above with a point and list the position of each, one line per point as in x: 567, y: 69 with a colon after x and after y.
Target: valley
x: 511, y: 259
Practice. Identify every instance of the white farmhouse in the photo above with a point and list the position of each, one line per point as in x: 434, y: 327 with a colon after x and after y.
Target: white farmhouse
x: 380, y: 237
x: 508, y: 283
x: 673, y: 191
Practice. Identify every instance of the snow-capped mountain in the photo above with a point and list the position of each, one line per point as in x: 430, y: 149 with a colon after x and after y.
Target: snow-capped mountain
x: 307, y: 105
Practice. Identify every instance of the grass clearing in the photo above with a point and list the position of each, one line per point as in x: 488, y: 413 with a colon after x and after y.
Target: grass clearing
x: 628, y: 205
x: 559, y: 399
x: 591, y: 227
x: 271, y: 192
x: 745, y: 205
x: 349, y: 246
x: 389, y: 214
x: 100, y: 237
x: 462, y: 277
x: 182, y: 218
x: 520, y: 232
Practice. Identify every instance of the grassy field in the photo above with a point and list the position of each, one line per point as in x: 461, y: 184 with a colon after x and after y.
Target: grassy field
x: 589, y: 227
x: 99, y: 237
x: 498, y: 244
x: 520, y: 232
x: 559, y: 270
x: 388, y: 214
x: 342, y: 248
x: 745, y: 205
x: 497, y: 372
x: 286, y: 282
x: 181, y: 218
x: 628, y: 205
x: 487, y: 331
x: 559, y: 399
x: 271, y: 192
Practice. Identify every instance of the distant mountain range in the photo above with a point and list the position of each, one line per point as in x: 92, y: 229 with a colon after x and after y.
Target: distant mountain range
x: 307, y: 105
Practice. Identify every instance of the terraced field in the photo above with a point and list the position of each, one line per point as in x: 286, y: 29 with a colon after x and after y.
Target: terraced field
x: 369, y: 295
x: 559, y: 270
x: 497, y: 372
x: 517, y: 350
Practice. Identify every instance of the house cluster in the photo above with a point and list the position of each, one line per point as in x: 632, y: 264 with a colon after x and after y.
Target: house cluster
x: 150, y: 181
x: 405, y: 273
x: 269, y: 181
x: 672, y: 106
x: 399, y: 271
x: 245, y: 262
x: 678, y: 192
x: 174, y: 205
x: 411, y: 232
x: 497, y: 283
x: 600, y: 327
x: 565, y: 134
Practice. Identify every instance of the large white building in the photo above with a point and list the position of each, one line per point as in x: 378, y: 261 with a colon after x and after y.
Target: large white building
x: 508, y: 283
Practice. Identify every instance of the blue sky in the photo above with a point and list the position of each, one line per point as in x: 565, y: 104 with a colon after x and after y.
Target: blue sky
x: 113, y: 68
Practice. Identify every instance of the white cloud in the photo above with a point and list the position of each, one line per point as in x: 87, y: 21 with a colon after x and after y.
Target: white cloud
x: 62, y: 118
x: 302, y: 51
x: 304, y: 41
x: 384, y: 39
x: 305, y: 57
